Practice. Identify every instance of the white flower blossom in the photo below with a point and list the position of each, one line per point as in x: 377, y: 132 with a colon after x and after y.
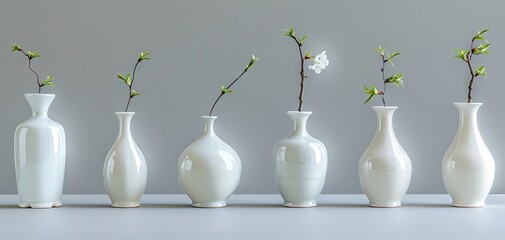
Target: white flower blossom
x: 320, y: 62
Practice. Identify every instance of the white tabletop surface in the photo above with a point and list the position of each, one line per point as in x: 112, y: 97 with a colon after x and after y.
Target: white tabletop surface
x: 255, y: 217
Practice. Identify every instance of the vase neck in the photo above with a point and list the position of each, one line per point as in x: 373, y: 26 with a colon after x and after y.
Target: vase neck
x: 299, y: 122
x: 468, y: 114
x: 384, y: 118
x: 209, y: 125
x: 124, y: 123
x: 39, y: 103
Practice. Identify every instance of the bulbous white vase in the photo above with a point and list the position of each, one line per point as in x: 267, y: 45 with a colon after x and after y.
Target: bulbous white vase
x: 209, y: 169
x: 300, y: 163
x: 39, y: 151
x: 468, y: 167
x: 384, y: 168
x: 125, y: 168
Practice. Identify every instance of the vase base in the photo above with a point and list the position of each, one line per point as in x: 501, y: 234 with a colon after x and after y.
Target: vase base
x: 385, y: 204
x: 41, y: 205
x: 217, y: 204
x: 125, y: 205
x: 468, y: 204
x: 303, y: 204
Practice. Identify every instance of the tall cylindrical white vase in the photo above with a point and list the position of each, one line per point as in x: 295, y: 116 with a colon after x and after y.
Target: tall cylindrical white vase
x: 384, y: 168
x: 209, y: 169
x: 39, y: 151
x: 468, y: 167
x: 125, y: 168
x: 300, y: 164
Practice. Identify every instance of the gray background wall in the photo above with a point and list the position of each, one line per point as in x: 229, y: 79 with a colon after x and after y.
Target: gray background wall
x: 199, y: 45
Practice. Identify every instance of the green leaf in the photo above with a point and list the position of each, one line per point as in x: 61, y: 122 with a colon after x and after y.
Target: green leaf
x: 128, y: 79
x: 289, y: 33
x: 380, y: 50
x: 461, y: 54
x: 120, y: 76
x: 481, y: 71
x: 225, y: 90
x: 133, y: 93
x: 32, y: 55
x: 308, y: 56
x: 48, y: 81
x: 251, y: 63
x: 143, y: 56
x: 479, y: 35
x: 390, y: 57
x: 303, y: 39
x: 481, y: 49
x: 372, y: 91
x: 396, y: 79
x: 15, y: 48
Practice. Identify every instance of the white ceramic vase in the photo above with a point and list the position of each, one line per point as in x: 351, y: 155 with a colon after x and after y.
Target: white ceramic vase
x: 468, y: 167
x: 39, y: 151
x: 209, y: 169
x: 125, y: 168
x: 300, y: 164
x: 384, y: 168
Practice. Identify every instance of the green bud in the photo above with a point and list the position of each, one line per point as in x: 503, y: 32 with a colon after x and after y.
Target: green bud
x: 32, y: 55
x: 15, y: 48
x: 303, y: 39
x: 481, y: 49
x: 133, y: 93
x: 143, y: 56
x: 396, y: 79
x: 289, y: 33
x: 479, y: 35
x: 48, y: 81
x: 481, y: 71
x: 461, y: 54
x: 251, y: 62
x: 225, y: 90
x: 372, y: 91
x: 380, y: 50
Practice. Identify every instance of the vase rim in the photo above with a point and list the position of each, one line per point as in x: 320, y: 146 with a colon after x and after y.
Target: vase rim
x: 384, y: 107
x: 209, y: 117
x: 39, y: 94
x: 302, y: 112
x: 124, y: 113
x: 465, y: 103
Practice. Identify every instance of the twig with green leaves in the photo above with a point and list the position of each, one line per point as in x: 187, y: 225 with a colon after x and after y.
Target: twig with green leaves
x: 130, y: 78
x: 320, y: 62
x: 31, y: 55
x: 225, y: 90
x: 396, y: 78
x: 466, y: 56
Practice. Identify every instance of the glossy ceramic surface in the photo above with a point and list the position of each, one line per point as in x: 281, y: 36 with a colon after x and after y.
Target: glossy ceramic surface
x: 468, y: 167
x: 209, y: 169
x: 300, y: 164
x: 125, y: 168
x: 39, y: 151
x: 385, y: 168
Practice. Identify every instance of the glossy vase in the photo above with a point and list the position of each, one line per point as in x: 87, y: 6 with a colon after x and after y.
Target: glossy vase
x: 209, y: 169
x: 39, y: 152
x: 384, y: 168
x: 468, y: 167
x: 125, y: 168
x: 300, y: 163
